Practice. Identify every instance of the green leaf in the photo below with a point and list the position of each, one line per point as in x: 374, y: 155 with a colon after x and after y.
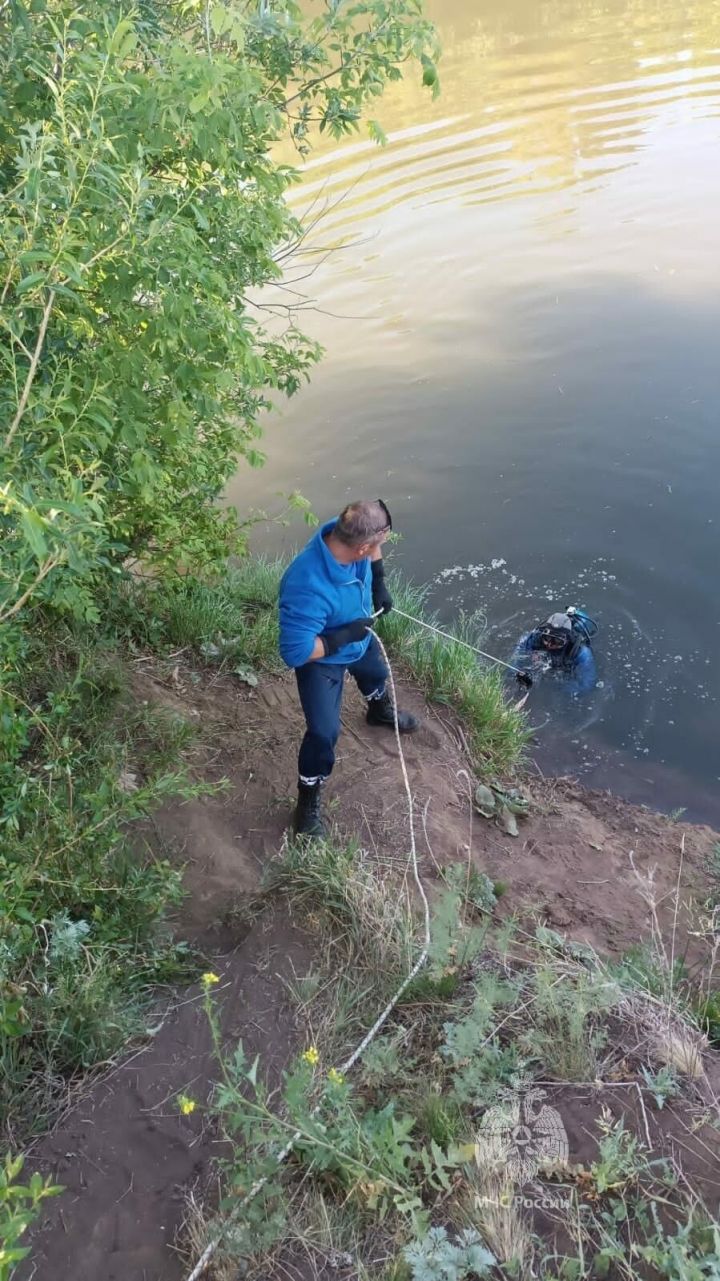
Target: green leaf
x: 430, y: 75
x: 601, y: 1265
x: 439, y: 1159
x: 34, y: 530
x: 13, y: 1166
x: 124, y: 40
x: 35, y: 255
x: 237, y: 33
x: 16, y: 1254
x: 200, y: 216
x: 377, y: 133
x: 221, y: 20
x: 30, y: 282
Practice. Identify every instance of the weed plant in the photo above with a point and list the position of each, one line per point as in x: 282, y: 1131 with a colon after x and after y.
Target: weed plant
x: 19, y: 1207
x: 83, y: 904
x: 391, y: 1154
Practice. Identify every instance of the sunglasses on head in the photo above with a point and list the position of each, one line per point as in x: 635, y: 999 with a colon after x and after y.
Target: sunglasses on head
x: 388, y: 526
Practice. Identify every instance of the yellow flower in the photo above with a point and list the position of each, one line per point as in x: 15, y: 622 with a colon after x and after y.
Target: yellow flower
x: 186, y: 1105
x: 336, y: 1077
x: 209, y: 979
x: 311, y: 1056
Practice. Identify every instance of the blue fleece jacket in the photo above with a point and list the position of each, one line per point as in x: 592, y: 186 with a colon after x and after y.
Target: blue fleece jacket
x: 581, y: 671
x: 318, y: 593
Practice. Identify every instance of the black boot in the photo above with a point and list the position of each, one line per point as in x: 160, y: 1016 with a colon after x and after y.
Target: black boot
x: 308, y: 819
x: 380, y: 712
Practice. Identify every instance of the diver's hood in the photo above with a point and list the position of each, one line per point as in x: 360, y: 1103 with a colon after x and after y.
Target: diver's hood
x: 559, y: 623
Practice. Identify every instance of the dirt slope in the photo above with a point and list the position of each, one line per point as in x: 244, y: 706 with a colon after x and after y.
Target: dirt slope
x: 577, y: 859
x: 125, y: 1155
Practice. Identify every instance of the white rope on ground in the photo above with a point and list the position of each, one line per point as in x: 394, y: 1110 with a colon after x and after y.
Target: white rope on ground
x: 359, y: 1050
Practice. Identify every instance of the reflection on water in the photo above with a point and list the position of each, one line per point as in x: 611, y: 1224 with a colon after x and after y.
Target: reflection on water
x: 536, y: 97
x: 527, y: 370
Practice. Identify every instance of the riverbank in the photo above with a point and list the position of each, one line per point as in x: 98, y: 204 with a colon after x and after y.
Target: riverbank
x: 85, y: 764
x: 605, y: 900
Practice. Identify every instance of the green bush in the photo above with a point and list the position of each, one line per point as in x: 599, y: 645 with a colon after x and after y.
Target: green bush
x: 82, y: 906
x: 143, y: 210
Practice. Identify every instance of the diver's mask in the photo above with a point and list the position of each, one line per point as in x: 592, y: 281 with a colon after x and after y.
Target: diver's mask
x: 556, y: 634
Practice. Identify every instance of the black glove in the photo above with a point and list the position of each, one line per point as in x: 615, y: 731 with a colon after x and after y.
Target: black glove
x: 380, y: 594
x: 338, y: 637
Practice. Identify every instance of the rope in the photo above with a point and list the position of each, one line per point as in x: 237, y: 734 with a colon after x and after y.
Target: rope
x: 369, y: 1037
x: 419, y: 622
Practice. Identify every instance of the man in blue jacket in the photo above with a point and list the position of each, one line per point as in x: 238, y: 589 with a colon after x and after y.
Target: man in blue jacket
x: 327, y: 596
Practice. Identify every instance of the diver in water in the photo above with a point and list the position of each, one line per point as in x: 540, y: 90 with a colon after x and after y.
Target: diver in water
x: 563, y: 644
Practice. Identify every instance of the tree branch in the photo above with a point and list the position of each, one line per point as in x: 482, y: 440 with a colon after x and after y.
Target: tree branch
x: 51, y: 563
x: 312, y: 84
x: 14, y: 338
x: 353, y: 56
x: 8, y: 278
x: 32, y: 370
x: 207, y: 30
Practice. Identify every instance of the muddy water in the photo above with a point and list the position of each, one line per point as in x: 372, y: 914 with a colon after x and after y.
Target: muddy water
x: 521, y: 314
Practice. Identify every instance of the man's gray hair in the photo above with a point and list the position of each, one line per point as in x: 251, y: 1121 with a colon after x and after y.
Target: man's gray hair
x: 361, y: 522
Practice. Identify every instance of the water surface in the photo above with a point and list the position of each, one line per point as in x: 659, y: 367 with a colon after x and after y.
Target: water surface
x: 521, y: 316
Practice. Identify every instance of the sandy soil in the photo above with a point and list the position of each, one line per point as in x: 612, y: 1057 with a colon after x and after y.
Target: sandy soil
x: 125, y: 1155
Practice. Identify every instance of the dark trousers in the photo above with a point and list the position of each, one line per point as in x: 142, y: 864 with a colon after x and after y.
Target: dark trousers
x: 320, y: 686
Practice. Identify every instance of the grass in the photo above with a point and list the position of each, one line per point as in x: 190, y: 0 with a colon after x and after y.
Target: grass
x: 506, y: 1228
x: 81, y: 765
x: 394, y: 1154
x: 452, y: 675
x: 235, y: 612
x: 440, y: 1120
x: 237, y: 615
x: 83, y: 901
x: 366, y: 937
x: 84, y: 943
x: 341, y: 880
x: 566, y: 1033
